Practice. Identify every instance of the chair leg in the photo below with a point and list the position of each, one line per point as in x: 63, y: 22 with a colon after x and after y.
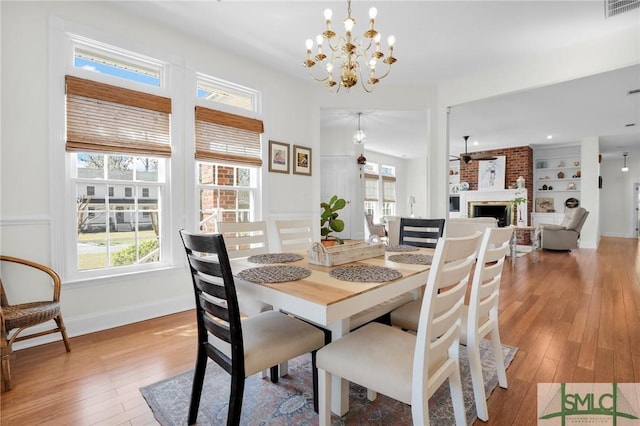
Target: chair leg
x: 314, y: 375
x: 498, y: 357
x: 475, y: 365
x: 6, y: 367
x: 274, y: 374
x: 235, y: 400
x: 457, y: 398
x: 198, y: 381
x: 324, y: 388
x: 63, y: 331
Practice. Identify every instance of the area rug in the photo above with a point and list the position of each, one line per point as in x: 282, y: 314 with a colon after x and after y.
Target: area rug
x: 290, y: 401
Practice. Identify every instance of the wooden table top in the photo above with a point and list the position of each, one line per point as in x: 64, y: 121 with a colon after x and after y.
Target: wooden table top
x: 322, y: 289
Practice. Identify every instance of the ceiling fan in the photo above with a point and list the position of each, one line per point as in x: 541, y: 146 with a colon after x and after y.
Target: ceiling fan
x: 467, y: 156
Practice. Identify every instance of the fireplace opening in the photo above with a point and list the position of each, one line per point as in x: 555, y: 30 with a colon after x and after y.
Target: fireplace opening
x: 501, y: 211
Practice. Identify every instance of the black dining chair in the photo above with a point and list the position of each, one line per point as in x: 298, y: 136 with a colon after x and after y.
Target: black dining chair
x: 421, y: 232
x: 241, y: 347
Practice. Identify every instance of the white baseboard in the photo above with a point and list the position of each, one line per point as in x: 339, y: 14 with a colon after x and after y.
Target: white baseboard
x: 85, y: 324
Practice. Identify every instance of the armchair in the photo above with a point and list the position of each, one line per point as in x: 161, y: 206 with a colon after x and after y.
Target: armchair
x: 16, y: 318
x: 565, y: 235
x: 375, y: 228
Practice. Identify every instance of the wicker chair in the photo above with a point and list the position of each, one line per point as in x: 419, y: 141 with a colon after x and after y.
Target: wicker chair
x: 24, y: 315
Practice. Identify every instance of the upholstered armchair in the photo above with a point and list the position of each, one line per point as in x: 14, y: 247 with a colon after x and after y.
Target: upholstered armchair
x: 565, y: 235
x: 375, y: 228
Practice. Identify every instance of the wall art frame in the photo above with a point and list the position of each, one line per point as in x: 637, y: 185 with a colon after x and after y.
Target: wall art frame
x: 279, y: 157
x: 302, y: 159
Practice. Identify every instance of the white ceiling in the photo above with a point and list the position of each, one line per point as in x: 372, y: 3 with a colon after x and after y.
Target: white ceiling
x: 436, y: 41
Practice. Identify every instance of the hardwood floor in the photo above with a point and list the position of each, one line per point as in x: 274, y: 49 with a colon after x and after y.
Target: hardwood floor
x: 575, y: 317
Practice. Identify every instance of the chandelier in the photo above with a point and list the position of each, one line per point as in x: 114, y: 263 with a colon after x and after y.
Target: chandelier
x: 350, y: 55
x: 359, y: 136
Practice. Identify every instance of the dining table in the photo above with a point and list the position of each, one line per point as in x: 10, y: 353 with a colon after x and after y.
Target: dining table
x: 329, y: 296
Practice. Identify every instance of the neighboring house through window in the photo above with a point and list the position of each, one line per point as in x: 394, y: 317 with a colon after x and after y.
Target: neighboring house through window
x: 118, y: 143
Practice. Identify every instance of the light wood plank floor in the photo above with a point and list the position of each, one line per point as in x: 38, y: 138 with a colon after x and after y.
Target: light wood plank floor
x: 575, y: 317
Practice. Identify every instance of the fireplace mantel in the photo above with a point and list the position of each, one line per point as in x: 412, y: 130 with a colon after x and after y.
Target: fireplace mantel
x: 467, y: 197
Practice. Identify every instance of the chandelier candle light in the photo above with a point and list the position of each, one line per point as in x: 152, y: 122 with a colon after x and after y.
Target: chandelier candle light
x: 350, y: 53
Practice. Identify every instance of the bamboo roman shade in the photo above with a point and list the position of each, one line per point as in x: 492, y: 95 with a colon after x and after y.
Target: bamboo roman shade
x: 106, y: 118
x: 388, y: 189
x: 370, y: 187
x: 228, y: 137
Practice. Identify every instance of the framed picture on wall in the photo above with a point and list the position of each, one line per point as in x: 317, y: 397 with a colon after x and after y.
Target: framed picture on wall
x: 278, y: 157
x: 491, y: 174
x: 301, y: 160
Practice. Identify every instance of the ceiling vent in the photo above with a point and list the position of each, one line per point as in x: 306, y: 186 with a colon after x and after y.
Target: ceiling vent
x: 616, y: 7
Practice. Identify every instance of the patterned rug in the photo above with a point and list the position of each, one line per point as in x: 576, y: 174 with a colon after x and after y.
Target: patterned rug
x: 290, y: 401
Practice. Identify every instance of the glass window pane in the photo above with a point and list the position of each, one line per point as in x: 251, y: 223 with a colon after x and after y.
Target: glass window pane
x: 89, y: 166
x: 111, y: 63
x: 146, y: 169
x: 226, y: 175
x: 206, y: 173
x: 120, y: 167
x: 244, y: 177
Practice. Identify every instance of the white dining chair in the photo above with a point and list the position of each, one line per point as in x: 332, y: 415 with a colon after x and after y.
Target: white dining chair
x: 480, y: 317
x: 294, y: 234
x: 245, y: 239
x: 405, y: 366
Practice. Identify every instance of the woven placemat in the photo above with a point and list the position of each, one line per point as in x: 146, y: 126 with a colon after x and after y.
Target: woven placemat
x: 401, y: 248
x: 413, y: 259
x: 275, y: 258
x: 274, y: 274
x: 364, y: 273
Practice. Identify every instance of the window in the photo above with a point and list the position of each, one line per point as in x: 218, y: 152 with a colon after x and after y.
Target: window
x: 227, y: 194
x: 118, y: 143
x: 228, y: 155
x: 112, y: 61
x: 116, y: 230
x: 380, y: 190
x: 226, y: 93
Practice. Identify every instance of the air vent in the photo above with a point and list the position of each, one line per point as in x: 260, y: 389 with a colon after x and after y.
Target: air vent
x: 616, y: 7
x: 633, y: 92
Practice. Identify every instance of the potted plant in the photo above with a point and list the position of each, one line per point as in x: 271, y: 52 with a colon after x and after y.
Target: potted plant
x: 329, y: 221
x: 516, y: 202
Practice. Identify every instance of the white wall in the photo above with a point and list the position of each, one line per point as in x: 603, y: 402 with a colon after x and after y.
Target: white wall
x: 617, y: 198
x: 25, y: 214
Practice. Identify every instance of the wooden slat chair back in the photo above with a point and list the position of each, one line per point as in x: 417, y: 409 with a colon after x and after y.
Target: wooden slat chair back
x: 294, y: 234
x: 245, y: 239
x: 14, y: 319
x: 421, y: 232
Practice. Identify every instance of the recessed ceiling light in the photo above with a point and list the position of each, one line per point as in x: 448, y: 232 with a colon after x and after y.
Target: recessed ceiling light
x: 549, y: 136
x: 475, y: 142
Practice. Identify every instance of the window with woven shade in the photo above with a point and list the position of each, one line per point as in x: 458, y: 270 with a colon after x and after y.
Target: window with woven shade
x: 113, y: 119
x: 371, y: 187
x: 226, y: 137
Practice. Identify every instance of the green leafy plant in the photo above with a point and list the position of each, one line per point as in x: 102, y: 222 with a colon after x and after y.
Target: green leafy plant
x: 329, y: 221
x: 516, y: 202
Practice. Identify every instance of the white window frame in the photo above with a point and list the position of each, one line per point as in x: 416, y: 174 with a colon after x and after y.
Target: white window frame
x: 64, y: 36
x: 254, y: 112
